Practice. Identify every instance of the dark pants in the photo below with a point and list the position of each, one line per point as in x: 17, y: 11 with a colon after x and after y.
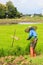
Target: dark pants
x: 33, y: 43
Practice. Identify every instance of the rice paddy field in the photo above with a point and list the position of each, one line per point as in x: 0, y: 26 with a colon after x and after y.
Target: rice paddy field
x: 21, y: 46
x: 7, y: 32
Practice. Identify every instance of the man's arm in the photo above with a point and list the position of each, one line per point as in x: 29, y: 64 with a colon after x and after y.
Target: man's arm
x: 30, y: 35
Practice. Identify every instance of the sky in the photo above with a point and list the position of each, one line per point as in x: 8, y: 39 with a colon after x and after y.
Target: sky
x: 27, y: 6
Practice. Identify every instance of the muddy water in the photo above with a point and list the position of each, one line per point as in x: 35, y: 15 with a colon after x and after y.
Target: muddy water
x: 29, y: 23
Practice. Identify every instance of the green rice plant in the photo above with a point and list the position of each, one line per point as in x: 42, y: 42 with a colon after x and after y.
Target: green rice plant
x: 21, y: 46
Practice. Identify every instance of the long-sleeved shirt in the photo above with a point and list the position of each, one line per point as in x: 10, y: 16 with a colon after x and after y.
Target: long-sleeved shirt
x: 32, y: 33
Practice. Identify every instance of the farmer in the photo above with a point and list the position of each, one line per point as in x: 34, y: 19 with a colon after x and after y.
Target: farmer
x: 33, y: 39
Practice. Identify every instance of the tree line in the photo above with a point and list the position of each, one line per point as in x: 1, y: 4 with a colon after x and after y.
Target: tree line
x: 9, y: 10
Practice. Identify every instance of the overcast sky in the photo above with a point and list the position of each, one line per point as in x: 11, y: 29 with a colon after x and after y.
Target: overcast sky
x: 27, y: 6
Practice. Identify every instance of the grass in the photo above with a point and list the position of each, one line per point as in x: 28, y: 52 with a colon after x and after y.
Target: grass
x: 38, y: 60
x: 22, y: 45
x: 21, y: 60
x: 22, y: 19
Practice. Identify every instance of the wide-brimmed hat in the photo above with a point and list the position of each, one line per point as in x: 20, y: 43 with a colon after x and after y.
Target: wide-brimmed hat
x: 35, y: 27
x: 29, y: 27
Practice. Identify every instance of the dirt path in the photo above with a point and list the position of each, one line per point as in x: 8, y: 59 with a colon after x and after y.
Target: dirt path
x: 11, y: 60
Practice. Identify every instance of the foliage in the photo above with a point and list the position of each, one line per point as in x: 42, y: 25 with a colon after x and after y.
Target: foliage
x: 3, y: 9
x: 21, y: 46
x: 11, y: 9
x: 8, y: 10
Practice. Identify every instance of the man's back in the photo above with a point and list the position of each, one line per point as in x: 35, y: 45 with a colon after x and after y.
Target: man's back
x: 33, y: 33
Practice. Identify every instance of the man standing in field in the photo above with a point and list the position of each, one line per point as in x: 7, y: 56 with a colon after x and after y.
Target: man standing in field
x: 33, y: 39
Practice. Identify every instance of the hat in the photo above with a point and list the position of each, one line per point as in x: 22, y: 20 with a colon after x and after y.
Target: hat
x: 29, y: 27
x: 34, y: 27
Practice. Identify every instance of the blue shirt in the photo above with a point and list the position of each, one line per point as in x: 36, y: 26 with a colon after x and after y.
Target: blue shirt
x: 33, y: 33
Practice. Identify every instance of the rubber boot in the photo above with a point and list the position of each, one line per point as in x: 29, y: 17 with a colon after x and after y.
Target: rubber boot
x: 34, y: 53
x: 31, y: 52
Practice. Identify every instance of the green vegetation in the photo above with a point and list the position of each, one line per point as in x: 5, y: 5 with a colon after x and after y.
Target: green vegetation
x: 20, y: 46
x: 32, y: 19
x: 22, y: 19
x: 3, y: 9
x: 21, y: 60
x: 9, y: 10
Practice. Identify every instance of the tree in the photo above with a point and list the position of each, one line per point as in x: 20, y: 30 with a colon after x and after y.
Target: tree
x: 3, y: 9
x: 12, y: 11
x: 19, y: 14
x: 9, y: 10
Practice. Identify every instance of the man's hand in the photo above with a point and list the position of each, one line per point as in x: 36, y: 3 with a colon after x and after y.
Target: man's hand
x: 29, y: 38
